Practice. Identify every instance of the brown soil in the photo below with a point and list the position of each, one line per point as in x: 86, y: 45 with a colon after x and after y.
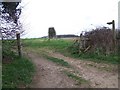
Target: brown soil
x: 50, y: 75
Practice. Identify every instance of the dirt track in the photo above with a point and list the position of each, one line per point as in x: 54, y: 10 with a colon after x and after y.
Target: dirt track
x: 50, y: 75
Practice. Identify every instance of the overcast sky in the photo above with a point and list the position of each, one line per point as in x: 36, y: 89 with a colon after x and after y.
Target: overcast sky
x: 66, y: 16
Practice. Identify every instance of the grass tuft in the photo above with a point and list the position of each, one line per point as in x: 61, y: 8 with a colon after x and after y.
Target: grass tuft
x: 79, y: 80
x: 58, y: 61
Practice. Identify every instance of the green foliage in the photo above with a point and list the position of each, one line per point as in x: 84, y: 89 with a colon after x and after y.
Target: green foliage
x: 7, y: 46
x: 18, y: 72
x: 74, y: 49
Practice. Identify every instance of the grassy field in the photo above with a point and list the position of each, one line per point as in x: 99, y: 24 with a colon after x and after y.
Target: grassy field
x: 63, y: 46
x: 56, y: 44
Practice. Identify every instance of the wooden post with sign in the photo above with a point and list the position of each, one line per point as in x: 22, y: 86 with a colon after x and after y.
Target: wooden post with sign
x: 18, y: 43
x: 114, y: 35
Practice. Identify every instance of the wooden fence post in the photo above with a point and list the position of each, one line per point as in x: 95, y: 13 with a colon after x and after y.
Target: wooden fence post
x: 18, y: 43
x: 114, y: 36
x: 80, y: 43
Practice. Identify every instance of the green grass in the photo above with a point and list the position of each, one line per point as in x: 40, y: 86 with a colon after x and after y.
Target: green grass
x: 111, y: 59
x: 56, y: 44
x: 79, y: 80
x: 18, y: 72
x: 57, y: 61
x: 64, y: 46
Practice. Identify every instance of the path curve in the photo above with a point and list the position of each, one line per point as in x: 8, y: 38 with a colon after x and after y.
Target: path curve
x: 49, y: 75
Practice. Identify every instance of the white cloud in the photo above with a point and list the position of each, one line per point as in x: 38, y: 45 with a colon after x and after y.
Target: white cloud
x: 67, y: 16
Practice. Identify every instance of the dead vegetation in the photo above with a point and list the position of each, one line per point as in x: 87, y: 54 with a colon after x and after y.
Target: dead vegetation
x: 99, y: 41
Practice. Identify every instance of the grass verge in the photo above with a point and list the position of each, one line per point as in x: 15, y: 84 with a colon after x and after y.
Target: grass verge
x: 18, y: 73
x: 111, y: 59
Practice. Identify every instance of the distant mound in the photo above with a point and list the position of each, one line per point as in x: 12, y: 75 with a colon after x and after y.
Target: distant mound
x: 63, y: 36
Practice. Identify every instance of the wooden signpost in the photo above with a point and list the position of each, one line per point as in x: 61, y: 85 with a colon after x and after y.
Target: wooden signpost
x: 18, y: 43
x: 114, y: 35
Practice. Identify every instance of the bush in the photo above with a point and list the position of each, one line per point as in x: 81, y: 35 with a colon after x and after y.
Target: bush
x: 100, y: 40
x: 7, y: 46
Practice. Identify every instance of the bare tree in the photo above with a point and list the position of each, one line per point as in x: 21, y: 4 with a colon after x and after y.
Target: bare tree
x: 9, y: 19
x: 9, y: 25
